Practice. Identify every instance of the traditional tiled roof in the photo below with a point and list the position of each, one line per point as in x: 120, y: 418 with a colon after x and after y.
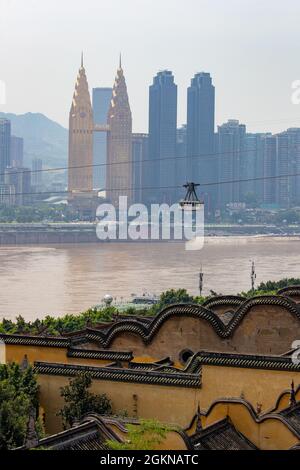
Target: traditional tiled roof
x: 224, y: 300
x: 165, y: 362
x: 47, y: 341
x: 97, y: 354
x: 90, y: 434
x: 221, y: 436
x: 62, y: 342
x: 177, y: 378
x: 284, y: 290
x: 292, y: 414
x: 148, y: 331
x: 290, y: 291
x: 249, y: 361
x: 288, y: 418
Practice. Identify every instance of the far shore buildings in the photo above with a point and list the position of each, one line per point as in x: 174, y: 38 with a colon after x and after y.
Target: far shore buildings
x: 107, y: 160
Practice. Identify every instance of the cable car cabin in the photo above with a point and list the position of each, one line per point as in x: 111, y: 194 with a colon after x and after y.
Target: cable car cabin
x: 191, y: 201
x: 192, y: 206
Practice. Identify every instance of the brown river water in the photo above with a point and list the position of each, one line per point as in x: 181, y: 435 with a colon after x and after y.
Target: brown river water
x: 59, y: 279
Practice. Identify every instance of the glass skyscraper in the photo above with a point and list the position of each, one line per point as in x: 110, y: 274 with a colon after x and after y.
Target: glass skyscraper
x: 101, y: 103
x: 161, y: 171
x: 5, y: 136
x: 230, y: 146
x: 201, y: 164
x: 16, y: 151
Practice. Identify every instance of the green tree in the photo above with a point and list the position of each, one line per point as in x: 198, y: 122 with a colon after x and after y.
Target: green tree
x: 79, y: 400
x: 172, y: 296
x: 18, y: 395
x: 146, y: 435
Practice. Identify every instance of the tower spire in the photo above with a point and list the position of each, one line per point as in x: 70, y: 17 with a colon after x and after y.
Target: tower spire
x: 82, y: 59
x: 120, y: 61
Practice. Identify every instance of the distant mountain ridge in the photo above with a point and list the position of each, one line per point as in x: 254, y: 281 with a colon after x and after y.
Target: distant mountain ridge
x: 43, y: 138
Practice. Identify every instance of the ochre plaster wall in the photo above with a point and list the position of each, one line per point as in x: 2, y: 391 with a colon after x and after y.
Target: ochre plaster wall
x: 257, y: 386
x: 16, y: 353
x: 172, y: 405
x: 265, y: 330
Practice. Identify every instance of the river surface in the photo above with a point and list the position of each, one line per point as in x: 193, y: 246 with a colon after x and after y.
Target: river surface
x: 59, y: 279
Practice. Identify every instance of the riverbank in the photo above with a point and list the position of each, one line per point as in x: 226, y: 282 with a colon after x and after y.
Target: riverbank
x: 15, y: 234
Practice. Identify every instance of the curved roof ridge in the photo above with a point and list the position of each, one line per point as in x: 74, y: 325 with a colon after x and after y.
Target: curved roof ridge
x: 254, y: 415
x: 147, y: 332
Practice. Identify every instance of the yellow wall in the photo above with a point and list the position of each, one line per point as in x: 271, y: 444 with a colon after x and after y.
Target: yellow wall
x: 16, y: 353
x: 269, y: 434
x: 254, y: 385
x: 175, y: 405
x: 2, y: 352
x: 172, y: 405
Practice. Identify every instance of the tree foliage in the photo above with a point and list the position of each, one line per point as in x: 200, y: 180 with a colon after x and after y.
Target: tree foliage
x: 18, y: 395
x: 39, y: 212
x: 79, y: 400
x: 271, y: 287
x: 146, y: 435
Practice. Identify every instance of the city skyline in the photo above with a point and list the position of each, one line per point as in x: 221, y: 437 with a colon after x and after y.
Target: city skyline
x: 238, y: 67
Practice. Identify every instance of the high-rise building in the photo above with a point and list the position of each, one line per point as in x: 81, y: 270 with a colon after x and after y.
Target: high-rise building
x: 283, y: 167
x: 7, y: 195
x: 269, y: 151
x: 20, y: 178
x: 5, y: 136
x: 161, y: 168
x: 230, y: 145
x: 181, y: 176
x: 16, y: 151
x: 81, y: 139
x: 294, y: 164
x: 119, y: 143
x: 280, y: 155
x: 251, y: 167
x: 37, y: 175
x: 139, y: 158
x: 202, y: 167
x: 101, y: 103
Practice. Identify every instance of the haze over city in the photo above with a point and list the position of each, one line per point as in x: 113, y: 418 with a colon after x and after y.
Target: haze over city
x: 41, y: 43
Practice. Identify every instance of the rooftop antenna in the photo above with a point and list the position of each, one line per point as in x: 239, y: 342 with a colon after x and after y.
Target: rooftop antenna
x: 201, y: 281
x: 253, y: 276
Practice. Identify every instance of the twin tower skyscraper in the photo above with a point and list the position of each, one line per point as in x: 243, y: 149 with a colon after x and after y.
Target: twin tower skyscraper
x: 171, y: 165
x: 162, y: 168
x: 119, y: 143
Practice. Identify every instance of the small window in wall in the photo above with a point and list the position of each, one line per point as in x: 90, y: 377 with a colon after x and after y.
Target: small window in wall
x: 185, y: 355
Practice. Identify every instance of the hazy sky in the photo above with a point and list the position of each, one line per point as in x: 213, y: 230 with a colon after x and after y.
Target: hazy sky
x: 251, y: 48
